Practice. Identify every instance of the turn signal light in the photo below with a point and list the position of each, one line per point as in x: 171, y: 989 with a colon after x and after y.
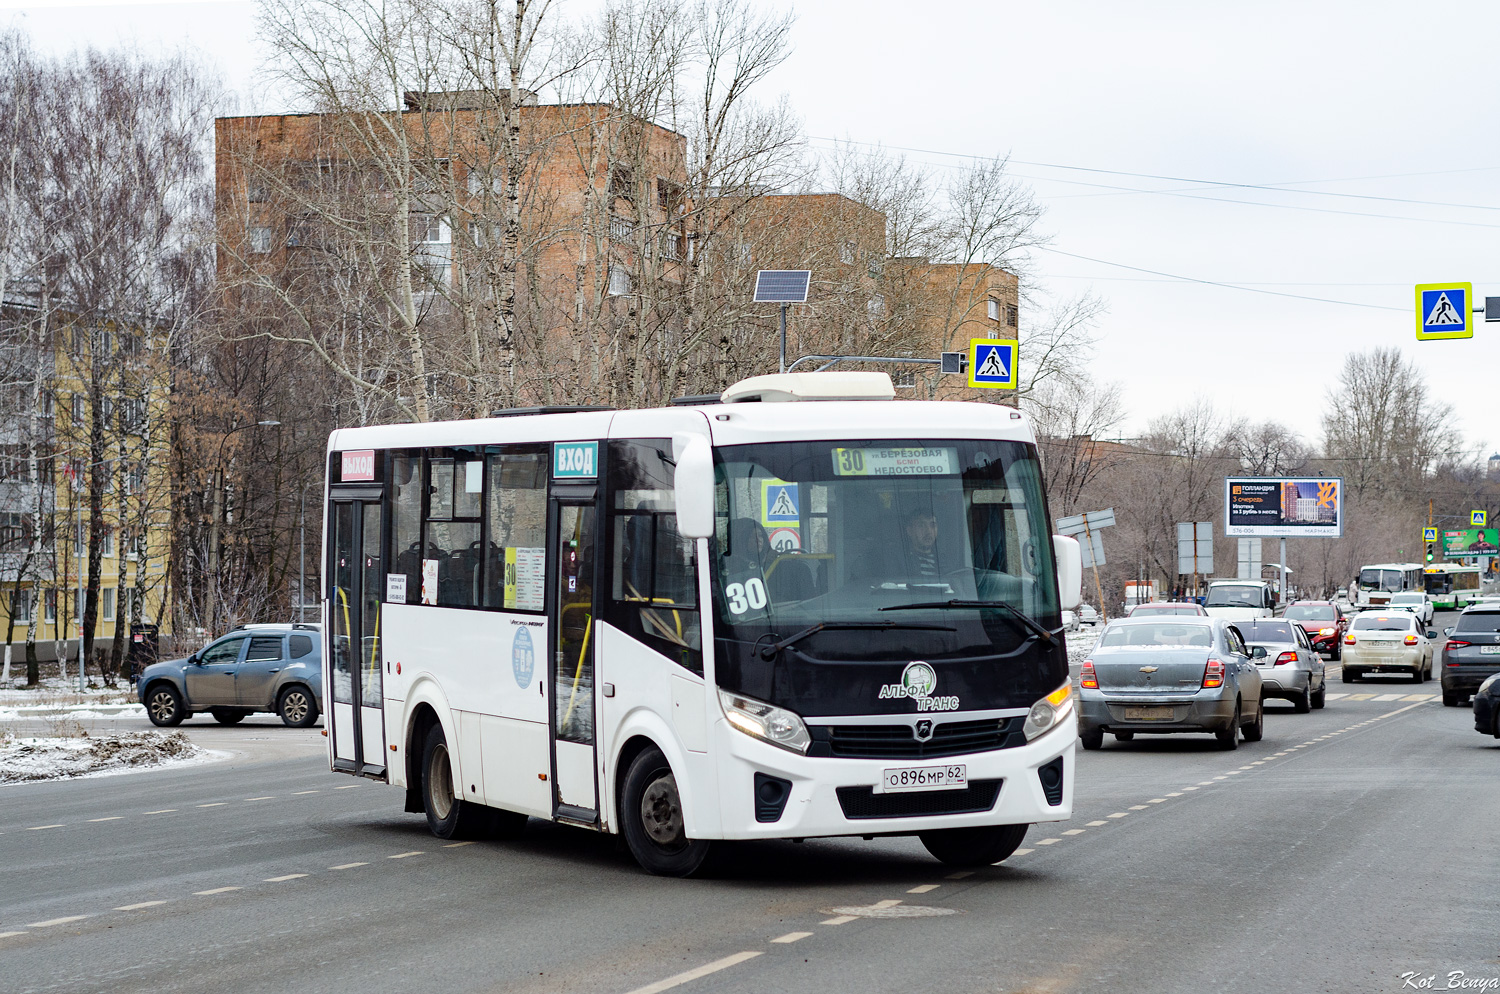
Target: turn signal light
x: 1213, y: 674
x: 1286, y: 657
x: 1454, y: 644
x: 1088, y: 679
x: 1410, y: 640
x: 1348, y: 639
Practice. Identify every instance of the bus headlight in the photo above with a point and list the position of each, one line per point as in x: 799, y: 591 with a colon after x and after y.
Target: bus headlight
x: 1047, y: 712
x: 766, y: 722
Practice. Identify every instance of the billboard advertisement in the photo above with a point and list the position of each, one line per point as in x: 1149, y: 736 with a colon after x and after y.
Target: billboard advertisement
x: 1458, y: 542
x: 1283, y: 507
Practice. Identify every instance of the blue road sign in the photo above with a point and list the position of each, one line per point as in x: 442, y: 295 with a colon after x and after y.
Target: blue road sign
x: 992, y: 363
x: 1443, y: 311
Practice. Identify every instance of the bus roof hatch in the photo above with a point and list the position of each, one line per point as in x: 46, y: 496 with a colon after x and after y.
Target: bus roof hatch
x: 788, y: 387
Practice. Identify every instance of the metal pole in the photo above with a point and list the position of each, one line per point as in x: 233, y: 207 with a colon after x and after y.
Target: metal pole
x: 1283, y: 575
x: 78, y: 604
x: 783, y: 338
x: 301, y: 554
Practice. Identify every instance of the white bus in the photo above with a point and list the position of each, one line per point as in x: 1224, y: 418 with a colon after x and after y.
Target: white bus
x: 812, y: 615
x: 1451, y: 586
x: 1375, y: 584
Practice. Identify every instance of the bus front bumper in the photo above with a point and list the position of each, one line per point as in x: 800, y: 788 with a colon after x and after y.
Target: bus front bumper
x: 834, y: 796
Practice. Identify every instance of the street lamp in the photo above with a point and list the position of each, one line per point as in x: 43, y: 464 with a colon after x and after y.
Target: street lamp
x: 213, y: 528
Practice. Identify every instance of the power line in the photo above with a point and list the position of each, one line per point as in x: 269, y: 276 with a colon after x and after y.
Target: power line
x: 1271, y: 187
x: 1228, y: 286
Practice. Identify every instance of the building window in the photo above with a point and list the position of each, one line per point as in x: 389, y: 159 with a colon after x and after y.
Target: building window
x: 848, y: 252
x: 622, y: 183
x: 255, y: 193
x: 671, y: 245
x: 619, y: 281
x: 79, y: 408
x: 22, y: 604
x: 1010, y: 315
x: 621, y: 229
x: 478, y: 186
x: 483, y: 234
x: 429, y: 177
x: 107, y: 603
x: 669, y: 196
x: 49, y: 612
x: 994, y: 308
x: 746, y: 254
x: 875, y: 307
x: 15, y: 530
x: 434, y: 251
x: 260, y: 240
x: 109, y: 544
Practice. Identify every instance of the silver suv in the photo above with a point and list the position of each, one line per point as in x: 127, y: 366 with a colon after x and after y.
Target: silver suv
x: 277, y: 668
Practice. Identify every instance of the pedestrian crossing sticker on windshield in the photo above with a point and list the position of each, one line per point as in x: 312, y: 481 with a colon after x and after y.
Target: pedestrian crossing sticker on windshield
x: 1443, y: 310
x: 992, y: 363
x: 779, y: 503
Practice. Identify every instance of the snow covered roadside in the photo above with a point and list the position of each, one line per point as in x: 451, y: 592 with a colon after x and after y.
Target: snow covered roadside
x: 1081, y: 643
x: 57, y: 757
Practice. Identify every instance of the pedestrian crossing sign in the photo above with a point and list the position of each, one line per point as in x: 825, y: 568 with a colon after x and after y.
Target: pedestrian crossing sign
x: 1429, y: 534
x: 1477, y: 518
x: 779, y: 503
x: 1443, y: 311
x: 992, y: 362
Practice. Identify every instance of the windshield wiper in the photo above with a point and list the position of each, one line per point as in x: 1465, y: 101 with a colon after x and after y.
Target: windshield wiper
x: 1025, y: 619
x: 767, y: 651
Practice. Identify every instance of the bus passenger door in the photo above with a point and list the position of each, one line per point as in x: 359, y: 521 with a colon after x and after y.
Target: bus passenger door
x: 572, y: 615
x: 356, y: 716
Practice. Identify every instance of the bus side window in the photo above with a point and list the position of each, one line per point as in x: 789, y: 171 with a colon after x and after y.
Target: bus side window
x: 653, y: 571
x: 406, y: 523
x: 516, y: 558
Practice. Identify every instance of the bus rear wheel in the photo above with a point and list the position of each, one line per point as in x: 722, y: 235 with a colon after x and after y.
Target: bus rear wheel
x: 651, y: 815
x: 973, y: 846
x: 448, y: 815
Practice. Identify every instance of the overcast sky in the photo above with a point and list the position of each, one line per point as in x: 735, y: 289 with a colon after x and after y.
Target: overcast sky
x: 1123, y: 118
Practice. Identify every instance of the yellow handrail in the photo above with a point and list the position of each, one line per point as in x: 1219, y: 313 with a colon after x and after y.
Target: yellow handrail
x: 588, y: 627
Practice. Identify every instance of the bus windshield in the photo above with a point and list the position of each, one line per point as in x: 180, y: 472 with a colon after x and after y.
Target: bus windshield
x: 945, y: 542
x: 1388, y: 580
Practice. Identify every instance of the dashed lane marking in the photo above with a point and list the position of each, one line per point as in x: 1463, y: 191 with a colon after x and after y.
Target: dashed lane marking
x: 1138, y: 807
x: 349, y: 786
x: 1361, y: 697
x: 403, y: 855
x: 1096, y: 824
x: 7, y: 935
x: 840, y: 920
x: 1175, y: 794
x: 285, y: 876
x: 923, y: 888
x: 887, y: 903
x: 1020, y: 852
x: 215, y: 890
x: 1047, y: 842
x: 271, y: 797
x: 791, y: 937
x: 57, y: 921
x: 1388, y: 697
x: 347, y: 866
x: 38, y: 828
x: 139, y: 906
x: 162, y: 811
x: 690, y: 975
x: 1189, y: 788
x: 455, y: 845
x: 1119, y: 814
x: 215, y: 804
x: 304, y: 792
x: 1075, y: 831
x: 959, y: 875
x: 110, y: 818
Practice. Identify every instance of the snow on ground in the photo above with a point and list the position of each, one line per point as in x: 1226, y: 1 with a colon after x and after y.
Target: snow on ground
x: 1081, y: 643
x: 57, y: 692
x: 56, y: 757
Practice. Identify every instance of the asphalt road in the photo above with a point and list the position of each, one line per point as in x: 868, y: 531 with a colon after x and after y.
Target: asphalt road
x: 1352, y: 846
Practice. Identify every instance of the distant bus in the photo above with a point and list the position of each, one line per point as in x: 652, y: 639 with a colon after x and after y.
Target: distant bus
x: 1451, y: 586
x: 794, y: 613
x: 1376, y: 583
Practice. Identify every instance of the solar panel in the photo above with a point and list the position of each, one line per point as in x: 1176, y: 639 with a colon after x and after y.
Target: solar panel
x: 782, y: 286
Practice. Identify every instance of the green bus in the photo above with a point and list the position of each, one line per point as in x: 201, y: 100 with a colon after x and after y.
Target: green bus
x: 1451, y: 586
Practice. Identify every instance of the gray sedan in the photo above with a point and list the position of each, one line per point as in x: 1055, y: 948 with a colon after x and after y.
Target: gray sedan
x: 1290, y: 667
x: 1156, y: 675
x: 276, y: 668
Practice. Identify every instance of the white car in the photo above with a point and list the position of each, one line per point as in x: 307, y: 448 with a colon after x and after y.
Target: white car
x: 1087, y: 615
x: 1388, y: 642
x: 1414, y: 601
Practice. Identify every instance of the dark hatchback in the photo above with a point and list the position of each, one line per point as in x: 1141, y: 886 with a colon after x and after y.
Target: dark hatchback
x: 1471, y: 654
x: 1487, y: 707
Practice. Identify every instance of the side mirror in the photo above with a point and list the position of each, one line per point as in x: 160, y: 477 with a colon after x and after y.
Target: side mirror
x: 1448, y: 631
x: 1069, y: 571
x: 694, y: 484
x: 1257, y: 652
x: 193, y: 659
x: 1432, y: 635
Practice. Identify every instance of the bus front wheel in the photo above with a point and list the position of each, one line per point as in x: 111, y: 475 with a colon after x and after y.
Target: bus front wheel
x: 651, y: 816
x: 974, y: 846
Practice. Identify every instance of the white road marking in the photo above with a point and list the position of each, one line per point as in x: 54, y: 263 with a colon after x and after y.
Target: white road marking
x: 1018, y: 852
x: 1334, y: 697
x: 840, y: 920
x: 1096, y: 824
x: 1205, y: 783
x: 163, y: 811
x: 455, y: 845
x: 1417, y: 697
x: 791, y: 937
x: 1259, y: 762
x: 215, y: 890
x: 1388, y: 697
x: 304, y: 792
x: 923, y: 888
x: 1360, y: 697
x: 7, y: 935
x: 137, y: 907
x: 1047, y: 842
x: 349, y: 786
x: 1173, y: 794
x: 694, y: 974
x: 887, y: 903
x: 403, y: 855
x: 285, y: 876
x: 215, y: 804
x: 959, y: 875
x: 347, y: 866
x: 1075, y: 831
x: 38, y: 828
x: 270, y: 797
x: 1138, y: 807
x: 110, y: 818
x: 57, y: 921
x: 1231, y: 773
x: 1120, y: 814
